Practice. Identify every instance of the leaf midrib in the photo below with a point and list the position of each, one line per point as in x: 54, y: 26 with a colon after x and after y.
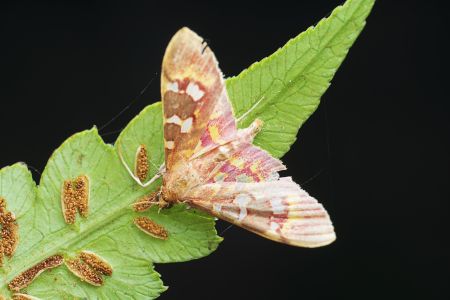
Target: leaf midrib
x: 71, y: 237
x: 306, y: 66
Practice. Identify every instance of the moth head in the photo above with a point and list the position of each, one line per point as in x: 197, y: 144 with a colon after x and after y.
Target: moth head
x: 178, y: 184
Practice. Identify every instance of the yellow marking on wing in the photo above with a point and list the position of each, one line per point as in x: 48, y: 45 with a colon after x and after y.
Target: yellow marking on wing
x: 291, y: 199
x: 214, y: 133
x: 197, y: 113
x: 219, y: 177
x: 244, y: 178
x: 215, y: 115
x: 192, y: 72
x: 237, y: 162
x: 254, y: 167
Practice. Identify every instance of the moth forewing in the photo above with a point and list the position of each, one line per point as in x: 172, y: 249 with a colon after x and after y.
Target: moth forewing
x: 191, y: 85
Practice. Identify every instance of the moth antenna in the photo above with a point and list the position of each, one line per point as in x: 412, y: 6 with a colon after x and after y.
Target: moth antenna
x: 34, y: 169
x: 313, y: 177
x: 205, y: 44
x: 226, y: 229
x: 250, y: 110
x: 130, y: 104
x: 111, y: 132
x: 124, y: 163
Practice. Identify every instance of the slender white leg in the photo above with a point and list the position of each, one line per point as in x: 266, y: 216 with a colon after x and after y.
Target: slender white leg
x: 161, y: 170
x: 138, y: 181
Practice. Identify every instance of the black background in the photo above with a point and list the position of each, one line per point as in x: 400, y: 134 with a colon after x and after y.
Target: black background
x: 376, y: 152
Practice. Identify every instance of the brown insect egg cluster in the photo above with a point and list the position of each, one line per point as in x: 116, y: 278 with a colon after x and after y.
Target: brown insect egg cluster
x: 89, y: 267
x: 25, y: 278
x: 75, y: 197
x: 141, y: 166
x: 9, y: 232
x: 145, y: 202
x: 151, y: 228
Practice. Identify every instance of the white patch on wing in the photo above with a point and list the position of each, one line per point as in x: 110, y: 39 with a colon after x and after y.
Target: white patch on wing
x: 273, y: 176
x: 277, y: 206
x: 194, y: 91
x: 274, y: 226
x: 244, y: 178
x: 217, y: 207
x: 219, y: 177
x: 169, y: 144
x: 174, y: 120
x: 224, y: 149
x: 242, y: 200
x: 173, y: 86
x: 186, y: 125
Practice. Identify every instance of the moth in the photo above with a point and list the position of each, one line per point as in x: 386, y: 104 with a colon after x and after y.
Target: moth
x: 213, y: 166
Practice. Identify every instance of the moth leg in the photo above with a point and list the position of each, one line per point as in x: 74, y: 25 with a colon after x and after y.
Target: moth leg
x: 146, y: 202
x: 161, y: 170
x: 122, y: 160
x: 162, y: 204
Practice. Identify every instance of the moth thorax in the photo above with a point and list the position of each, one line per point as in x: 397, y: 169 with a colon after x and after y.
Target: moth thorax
x: 169, y: 195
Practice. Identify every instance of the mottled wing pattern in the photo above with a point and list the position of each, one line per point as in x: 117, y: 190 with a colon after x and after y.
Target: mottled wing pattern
x: 191, y: 86
x: 278, y: 210
x: 248, y: 164
x: 220, y: 129
x: 238, y: 161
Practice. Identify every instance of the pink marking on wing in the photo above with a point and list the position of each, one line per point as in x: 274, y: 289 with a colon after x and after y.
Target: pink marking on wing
x: 222, y: 122
x: 227, y: 168
x: 279, y: 210
x: 206, y: 138
x: 258, y: 164
x: 182, y: 84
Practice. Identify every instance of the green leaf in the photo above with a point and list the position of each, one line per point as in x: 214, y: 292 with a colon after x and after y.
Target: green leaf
x: 289, y: 83
x: 108, y: 230
x: 283, y: 90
